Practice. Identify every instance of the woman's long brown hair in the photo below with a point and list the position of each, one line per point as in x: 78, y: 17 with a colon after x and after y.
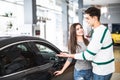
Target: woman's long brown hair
x: 72, y: 45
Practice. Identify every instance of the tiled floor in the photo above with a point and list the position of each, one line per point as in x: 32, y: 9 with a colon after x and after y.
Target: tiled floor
x: 116, y: 75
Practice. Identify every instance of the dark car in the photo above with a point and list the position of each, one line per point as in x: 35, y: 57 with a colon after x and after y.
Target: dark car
x: 30, y: 58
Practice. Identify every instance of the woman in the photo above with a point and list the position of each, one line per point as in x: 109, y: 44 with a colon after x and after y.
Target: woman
x: 77, y: 43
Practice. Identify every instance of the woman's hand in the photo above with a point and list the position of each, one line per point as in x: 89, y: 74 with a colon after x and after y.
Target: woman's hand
x: 56, y: 73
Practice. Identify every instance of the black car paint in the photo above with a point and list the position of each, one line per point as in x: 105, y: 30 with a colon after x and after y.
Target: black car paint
x: 27, y: 73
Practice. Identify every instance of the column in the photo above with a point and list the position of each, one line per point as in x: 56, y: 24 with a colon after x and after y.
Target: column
x: 30, y: 13
x: 80, y: 13
x: 65, y: 21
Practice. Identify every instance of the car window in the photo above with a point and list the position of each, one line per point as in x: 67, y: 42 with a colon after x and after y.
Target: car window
x: 22, y: 47
x: 14, y: 58
x: 47, y: 53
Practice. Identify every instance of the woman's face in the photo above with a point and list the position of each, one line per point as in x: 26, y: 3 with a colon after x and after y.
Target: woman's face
x: 79, y: 30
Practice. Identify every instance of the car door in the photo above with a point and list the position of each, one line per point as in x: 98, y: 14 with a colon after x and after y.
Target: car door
x: 19, y: 62
x: 48, y: 54
x: 12, y: 63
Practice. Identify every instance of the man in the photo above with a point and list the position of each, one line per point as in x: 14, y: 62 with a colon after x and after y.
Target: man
x: 100, y: 48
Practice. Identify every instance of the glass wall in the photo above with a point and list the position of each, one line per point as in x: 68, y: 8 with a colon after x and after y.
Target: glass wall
x: 50, y: 22
x: 11, y: 17
x: 49, y: 14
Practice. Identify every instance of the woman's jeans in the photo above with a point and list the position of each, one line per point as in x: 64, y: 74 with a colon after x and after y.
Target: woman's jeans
x: 83, y: 74
x: 101, y: 77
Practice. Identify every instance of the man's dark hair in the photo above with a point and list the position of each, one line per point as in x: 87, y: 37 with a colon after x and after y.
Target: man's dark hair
x: 93, y: 11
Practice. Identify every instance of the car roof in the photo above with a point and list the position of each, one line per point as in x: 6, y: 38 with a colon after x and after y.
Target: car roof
x: 12, y: 39
x: 8, y: 40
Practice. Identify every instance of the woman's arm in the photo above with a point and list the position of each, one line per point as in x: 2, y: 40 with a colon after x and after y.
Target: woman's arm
x: 67, y: 63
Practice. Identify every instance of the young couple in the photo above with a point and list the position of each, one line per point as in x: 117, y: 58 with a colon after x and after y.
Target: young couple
x: 98, y: 52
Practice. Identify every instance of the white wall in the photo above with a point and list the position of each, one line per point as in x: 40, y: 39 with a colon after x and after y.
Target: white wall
x: 114, y: 13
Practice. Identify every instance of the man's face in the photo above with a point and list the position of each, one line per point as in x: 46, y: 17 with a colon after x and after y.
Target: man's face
x: 90, y: 20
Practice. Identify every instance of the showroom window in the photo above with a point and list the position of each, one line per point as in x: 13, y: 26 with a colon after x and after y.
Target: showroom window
x: 11, y: 16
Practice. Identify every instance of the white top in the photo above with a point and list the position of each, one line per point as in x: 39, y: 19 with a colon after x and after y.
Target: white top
x: 100, y: 51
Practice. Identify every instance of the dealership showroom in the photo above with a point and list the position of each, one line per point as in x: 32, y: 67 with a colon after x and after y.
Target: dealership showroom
x: 43, y: 26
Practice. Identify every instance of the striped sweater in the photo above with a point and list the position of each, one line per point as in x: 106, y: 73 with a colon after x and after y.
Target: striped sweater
x: 100, y: 52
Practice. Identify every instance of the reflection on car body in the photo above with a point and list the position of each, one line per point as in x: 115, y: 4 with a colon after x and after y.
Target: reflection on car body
x: 28, y: 58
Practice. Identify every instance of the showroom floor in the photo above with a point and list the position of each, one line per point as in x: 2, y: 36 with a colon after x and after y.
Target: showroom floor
x: 116, y: 75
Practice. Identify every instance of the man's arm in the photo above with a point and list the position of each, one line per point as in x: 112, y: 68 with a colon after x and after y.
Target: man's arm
x: 92, y: 49
x: 63, y: 54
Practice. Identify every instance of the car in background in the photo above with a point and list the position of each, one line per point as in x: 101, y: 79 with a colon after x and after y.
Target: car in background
x: 116, y: 37
x: 30, y: 58
x: 115, y: 33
